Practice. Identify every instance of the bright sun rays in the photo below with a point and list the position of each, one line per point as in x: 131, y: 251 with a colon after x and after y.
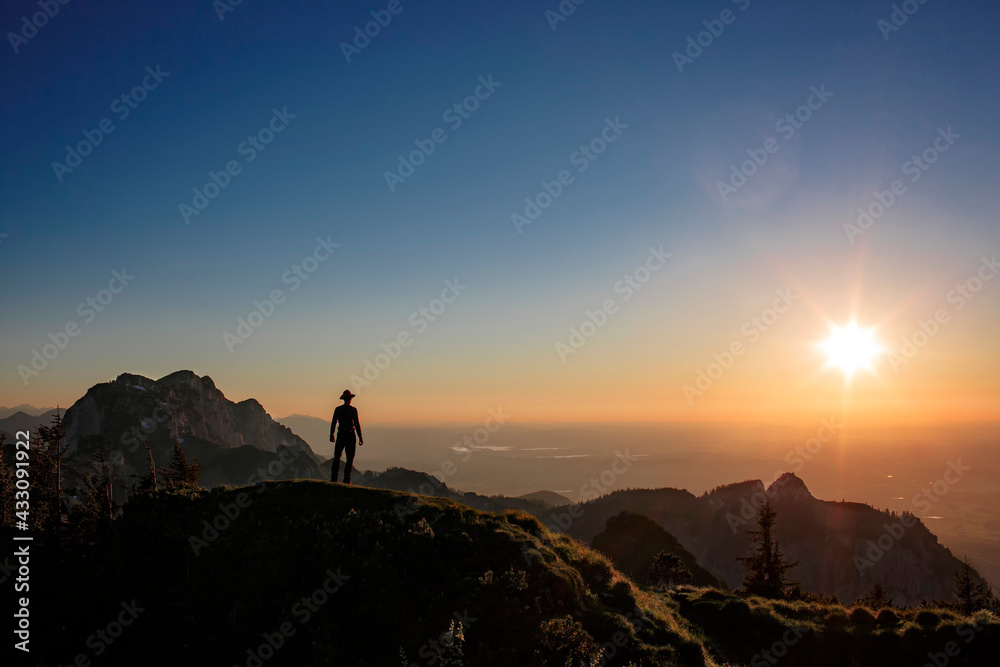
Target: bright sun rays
x: 851, y: 349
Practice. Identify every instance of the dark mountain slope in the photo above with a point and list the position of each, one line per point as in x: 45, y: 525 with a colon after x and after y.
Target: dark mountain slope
x: 397, y: 569
x: 631, y: 541
x: 309, y: 573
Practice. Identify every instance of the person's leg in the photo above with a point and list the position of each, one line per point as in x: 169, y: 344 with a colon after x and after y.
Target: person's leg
x: 349, y: 448
x: 338, y: 449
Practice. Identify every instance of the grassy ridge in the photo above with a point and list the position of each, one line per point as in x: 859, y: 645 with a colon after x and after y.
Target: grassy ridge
x: 757, y: 632
x: 359, y: 576
x: 405, y: 567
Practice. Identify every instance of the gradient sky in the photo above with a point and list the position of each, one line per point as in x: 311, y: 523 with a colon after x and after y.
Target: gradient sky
x: 656, y: 185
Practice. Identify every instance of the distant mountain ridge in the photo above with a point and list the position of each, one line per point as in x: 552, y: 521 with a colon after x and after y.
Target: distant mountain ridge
x: 30, y: 410
x: 843, y: 548
x: 24, y: 421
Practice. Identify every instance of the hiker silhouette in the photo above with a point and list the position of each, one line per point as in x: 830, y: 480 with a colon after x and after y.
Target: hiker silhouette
x: 346, y: 416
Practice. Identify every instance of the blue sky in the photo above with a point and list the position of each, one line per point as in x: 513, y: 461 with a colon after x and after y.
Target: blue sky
x: 324, y: 175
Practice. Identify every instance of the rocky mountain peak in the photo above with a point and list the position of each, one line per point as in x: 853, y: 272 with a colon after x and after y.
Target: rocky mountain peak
x: 788, y: 488
x: 180, y: 408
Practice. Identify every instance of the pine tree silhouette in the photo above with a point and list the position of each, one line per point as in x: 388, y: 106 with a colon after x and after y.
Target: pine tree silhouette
x: 877, y: 598
x: 766, y: 565
x: 180, y: 473
x: 972, y: 593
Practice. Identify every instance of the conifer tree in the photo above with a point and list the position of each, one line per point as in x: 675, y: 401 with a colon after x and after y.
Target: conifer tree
x: 766, y: 565
x: 972, y: 593
x: 180, y: 473
x: 877, y: 598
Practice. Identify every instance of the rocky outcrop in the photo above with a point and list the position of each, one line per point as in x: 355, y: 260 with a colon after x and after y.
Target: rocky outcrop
x: 233, y: 441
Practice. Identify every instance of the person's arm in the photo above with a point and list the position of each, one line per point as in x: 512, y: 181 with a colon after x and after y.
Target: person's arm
x: 333, y: 424
x: 357, y: 425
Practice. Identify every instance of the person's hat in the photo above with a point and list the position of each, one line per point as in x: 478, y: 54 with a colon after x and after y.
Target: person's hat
x: 347, y: 394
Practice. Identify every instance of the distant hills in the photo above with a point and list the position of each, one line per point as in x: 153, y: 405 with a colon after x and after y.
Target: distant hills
x: 23, y: 418
x: 29, y: 410
x: 313, y: 430
x: 550, y: 498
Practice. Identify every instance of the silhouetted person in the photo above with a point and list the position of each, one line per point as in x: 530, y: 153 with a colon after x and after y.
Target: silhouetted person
x: 346, y: 416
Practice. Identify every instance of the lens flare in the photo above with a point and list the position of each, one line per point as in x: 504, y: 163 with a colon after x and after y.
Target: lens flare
x: 851, y: 348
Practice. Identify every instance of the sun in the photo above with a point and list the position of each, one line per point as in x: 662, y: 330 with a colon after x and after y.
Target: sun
x: 851, y: 348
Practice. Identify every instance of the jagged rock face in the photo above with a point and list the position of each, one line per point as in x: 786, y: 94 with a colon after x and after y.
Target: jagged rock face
x: 231, y: 439
x: 182, y: 404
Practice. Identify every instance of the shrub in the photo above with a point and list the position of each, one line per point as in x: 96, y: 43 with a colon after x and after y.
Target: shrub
x: 887, y: 617
x: 928, y: 619
x: 861, y: 616
x: 524, y: 520
x: 837, y: 618
x: 564, y: 640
